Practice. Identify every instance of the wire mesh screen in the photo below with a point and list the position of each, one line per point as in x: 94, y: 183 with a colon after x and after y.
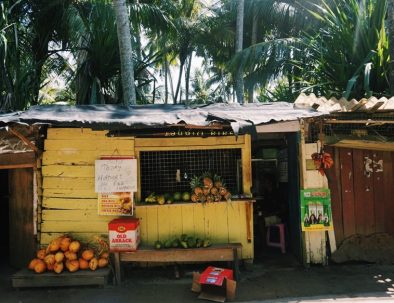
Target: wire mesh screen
x: 159, y: 169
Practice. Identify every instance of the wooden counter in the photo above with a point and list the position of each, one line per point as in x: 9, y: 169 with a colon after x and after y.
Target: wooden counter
x: 221, y: 222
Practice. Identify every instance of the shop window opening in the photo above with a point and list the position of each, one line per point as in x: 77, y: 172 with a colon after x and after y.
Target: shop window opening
x: 170, y: 171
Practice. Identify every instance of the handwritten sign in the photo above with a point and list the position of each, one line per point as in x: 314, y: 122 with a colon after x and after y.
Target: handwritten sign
x: 116, y: 175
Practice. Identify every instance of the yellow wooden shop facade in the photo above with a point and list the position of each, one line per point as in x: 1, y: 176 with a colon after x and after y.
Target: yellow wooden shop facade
x: 68, y: 201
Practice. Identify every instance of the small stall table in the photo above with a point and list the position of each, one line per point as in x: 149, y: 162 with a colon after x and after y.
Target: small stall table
x: 216, y: 252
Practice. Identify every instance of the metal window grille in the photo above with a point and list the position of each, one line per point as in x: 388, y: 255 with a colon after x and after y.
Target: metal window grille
x: 159, y: 168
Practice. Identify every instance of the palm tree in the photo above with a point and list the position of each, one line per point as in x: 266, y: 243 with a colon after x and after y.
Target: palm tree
x: 390, y: 26
x: 126, y: 52
x: 239, y: 85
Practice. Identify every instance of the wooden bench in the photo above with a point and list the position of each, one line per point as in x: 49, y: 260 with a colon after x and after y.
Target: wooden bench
x: 27, y: 278
x: 216, y: 252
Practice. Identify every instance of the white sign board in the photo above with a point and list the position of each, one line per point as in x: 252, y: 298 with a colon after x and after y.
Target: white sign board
x: 116, y: 175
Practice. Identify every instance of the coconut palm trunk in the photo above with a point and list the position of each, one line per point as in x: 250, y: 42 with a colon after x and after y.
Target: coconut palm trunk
x: 126, y: 51
x: 239, y: 83
x: 390, y: 19
x: 254, y: 41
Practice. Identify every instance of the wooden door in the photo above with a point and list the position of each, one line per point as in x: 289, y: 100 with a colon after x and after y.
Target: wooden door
x: 22, y: 242
x: 362, y: 190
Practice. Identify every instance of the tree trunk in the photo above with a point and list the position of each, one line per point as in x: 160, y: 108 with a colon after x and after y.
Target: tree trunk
x: 166, y: 82
x: 187, y: 78
x: 253, y: 42
x: 390, y: 19
x: 178, y: 86
x: 171, y: 83
x: 126, y: 52
x: 239, y: 83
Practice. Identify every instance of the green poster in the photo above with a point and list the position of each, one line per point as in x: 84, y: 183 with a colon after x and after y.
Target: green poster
x: 316, y: 209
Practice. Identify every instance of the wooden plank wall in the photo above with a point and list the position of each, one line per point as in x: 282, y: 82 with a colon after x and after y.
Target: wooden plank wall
x: 220, y: 222
x: 69, y: 203
x: 362, y: 203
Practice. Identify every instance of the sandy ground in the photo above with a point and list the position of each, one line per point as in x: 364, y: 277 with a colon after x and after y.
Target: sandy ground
x: 269, y: 279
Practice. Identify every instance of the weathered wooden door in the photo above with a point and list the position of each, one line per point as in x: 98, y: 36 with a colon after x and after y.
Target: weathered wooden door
x: 22, y: 243
x: 362, y: 190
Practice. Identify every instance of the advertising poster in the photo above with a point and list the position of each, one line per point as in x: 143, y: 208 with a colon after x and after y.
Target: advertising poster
x: 115, y: 204
x: 316, y: 212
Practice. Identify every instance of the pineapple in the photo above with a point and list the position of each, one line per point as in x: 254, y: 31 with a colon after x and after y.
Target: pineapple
x: 227, y: 196
x: 214, y: 191
x: 195, y: 184
x: 205, y: 191
x: 202, y: 198
x: 218, y: 183
x: 194, y: 198
x: 210, y: 198
x: 217, y: 197
x: 223, y: 191
x: 207, y: 180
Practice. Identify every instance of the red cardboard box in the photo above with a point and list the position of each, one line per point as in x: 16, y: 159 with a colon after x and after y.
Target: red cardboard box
x: 124, y: 234
x: 215, y: 284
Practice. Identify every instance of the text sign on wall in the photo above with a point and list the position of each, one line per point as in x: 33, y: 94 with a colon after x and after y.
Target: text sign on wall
x: 316, y: 210
x: 116, y: 175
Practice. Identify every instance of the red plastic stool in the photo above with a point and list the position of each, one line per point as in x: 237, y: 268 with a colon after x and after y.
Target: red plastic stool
x: 281, y: 243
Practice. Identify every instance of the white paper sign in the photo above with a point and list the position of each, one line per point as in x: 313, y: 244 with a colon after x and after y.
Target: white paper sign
x: 116, y: 175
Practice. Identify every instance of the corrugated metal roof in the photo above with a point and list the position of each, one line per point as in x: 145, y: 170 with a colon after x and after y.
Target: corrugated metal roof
x: 331, y: 105
x: 239, y: 116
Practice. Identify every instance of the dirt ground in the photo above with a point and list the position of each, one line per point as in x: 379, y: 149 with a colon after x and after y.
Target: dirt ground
x: 272, y: 277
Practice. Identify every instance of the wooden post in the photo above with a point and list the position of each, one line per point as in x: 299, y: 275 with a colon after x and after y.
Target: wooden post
x: 247, y: 166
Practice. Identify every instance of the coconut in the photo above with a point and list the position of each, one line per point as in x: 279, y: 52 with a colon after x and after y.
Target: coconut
x: 88, y: 254
x: 39, y: 267
x: 104, y: 255
x: 73, y: 265
x: 49, y: 259
x: 93, y: 263
x: 70, y: 255
x: 102, y: 262
x: 74, y: 246
x: 58, y: 267
x: 59, y: 257
x: 33, y: 263
x: 65, y: 243
x: 41, y: 254
x: 83, y: 264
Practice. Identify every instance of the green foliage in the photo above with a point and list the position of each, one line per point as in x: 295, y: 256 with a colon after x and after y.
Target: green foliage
x: 348, y: 53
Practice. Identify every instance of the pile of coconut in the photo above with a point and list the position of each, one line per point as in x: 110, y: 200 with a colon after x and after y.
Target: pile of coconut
x: 65, y: 252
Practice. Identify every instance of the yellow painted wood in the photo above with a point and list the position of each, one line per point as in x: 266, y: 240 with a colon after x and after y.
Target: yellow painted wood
x: 68, y: 183
x: 233, y: 217
x: 195, y: 141
x: 67, y: 133
x: 74, y: 156
x: 75, y: 226
x: 152, y: 225
x: 164, y: 221
x: 176, y: 220
x: 67, y: 203
x: 89, y: 143
x: 247, y: 165
x: 46, y: 238
x: 199, y: 220
x: 189, y: 147
x: 212, y: 231
x: 86, y: 171
x: 220, y: 221
x: 141, y: 214
x: 69, y: 193
x: 88, y: 215
x: 187, y: 212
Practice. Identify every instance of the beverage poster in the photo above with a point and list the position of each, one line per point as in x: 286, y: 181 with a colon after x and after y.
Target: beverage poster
x: 316, y: 212
x: 115, y: 204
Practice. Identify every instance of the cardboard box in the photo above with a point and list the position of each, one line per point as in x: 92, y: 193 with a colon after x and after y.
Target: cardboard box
x: 215, y: 284
x: 124, y: 234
